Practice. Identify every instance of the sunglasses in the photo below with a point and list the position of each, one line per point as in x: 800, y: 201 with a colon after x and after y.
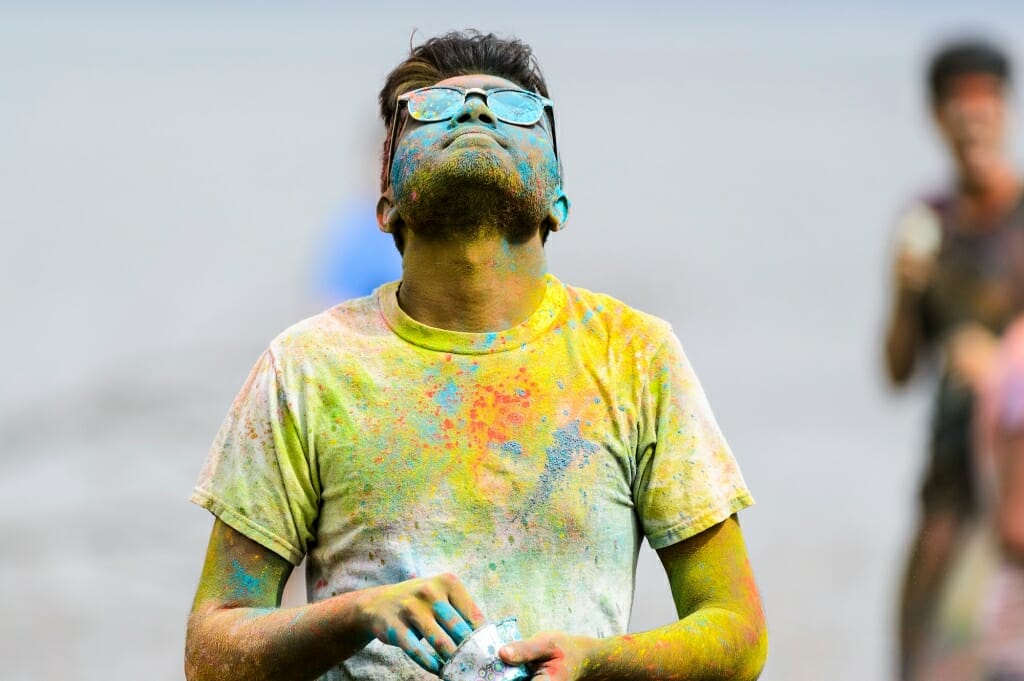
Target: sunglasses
x: 439, y: 103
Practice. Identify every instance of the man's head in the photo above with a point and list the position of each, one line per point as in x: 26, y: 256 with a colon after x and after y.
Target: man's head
x: 968, y: 83
x: 476, y: 158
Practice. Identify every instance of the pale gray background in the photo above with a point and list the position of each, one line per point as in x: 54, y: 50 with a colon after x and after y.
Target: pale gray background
x: 167, y: 174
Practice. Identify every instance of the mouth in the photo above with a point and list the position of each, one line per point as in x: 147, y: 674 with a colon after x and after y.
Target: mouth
x: 476, y: 130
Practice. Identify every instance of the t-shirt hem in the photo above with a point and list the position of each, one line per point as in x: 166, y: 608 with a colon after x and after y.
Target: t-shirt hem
x: 239, y: 522
x: 708, y: 519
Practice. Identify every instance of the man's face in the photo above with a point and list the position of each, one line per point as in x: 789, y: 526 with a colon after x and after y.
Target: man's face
x: 972, y: 118
x: 472, y: 172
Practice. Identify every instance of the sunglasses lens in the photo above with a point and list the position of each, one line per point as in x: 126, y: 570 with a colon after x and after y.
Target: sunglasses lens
x: 434, y: 104
x: 515, y: 106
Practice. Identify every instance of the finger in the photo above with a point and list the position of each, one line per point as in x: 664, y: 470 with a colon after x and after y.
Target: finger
x: 463, y: 602
x: 531, y: 651
x: 417, y: 650
x: 452, y: 620
x: 438, y: 639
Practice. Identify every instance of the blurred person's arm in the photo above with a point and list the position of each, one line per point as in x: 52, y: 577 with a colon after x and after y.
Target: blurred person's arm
x: 721, y: 632
x: 238, y: 631
x: 918, y: 243
x: 905, y: 336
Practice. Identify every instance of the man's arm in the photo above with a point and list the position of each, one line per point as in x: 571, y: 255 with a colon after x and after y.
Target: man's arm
x: 238, y: 631
x: 720, y: 634
x: 904, y: 336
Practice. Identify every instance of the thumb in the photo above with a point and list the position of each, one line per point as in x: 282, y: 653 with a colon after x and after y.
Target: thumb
x: 533, y: 649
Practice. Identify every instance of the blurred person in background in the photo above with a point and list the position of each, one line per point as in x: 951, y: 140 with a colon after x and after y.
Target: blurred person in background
x: 353, y: 259
x: 979, y: 624
x: 478, y: 437
x: 958, y: 282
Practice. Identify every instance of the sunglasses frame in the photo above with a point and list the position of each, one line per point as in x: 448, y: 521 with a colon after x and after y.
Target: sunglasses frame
x: 547, y: 107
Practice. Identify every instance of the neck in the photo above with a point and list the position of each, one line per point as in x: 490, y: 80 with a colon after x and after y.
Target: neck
x: 993, y: 183
x: 484, y: 284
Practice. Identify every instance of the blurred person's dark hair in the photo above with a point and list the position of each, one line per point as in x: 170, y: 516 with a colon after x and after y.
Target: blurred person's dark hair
x: 965, y: 57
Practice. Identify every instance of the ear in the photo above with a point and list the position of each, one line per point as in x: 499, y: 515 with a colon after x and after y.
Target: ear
x: 558, y: 212
x: 387, y: 212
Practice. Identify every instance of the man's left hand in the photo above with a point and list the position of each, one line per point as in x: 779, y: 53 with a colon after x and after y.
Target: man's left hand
x: 552, y: 655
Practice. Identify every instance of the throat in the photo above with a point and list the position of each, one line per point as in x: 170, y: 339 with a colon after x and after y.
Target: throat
x: 477, y: 286
x: 987, y: 203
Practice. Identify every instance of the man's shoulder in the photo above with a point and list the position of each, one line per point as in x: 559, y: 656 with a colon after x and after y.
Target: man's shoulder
x: 603, y: 313
x: 935, y: 201
x: 348, y: 324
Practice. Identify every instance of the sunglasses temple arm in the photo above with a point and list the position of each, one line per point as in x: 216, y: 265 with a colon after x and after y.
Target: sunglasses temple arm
x: 390, y: 148
x: 554, y: 142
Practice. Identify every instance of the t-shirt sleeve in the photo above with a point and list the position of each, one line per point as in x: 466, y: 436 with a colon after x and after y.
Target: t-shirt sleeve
x: 257, y: 477
x: 687, y: 479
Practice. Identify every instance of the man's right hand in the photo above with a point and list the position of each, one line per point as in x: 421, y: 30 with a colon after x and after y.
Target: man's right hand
x: 427, y: 618
x: 238, y: 630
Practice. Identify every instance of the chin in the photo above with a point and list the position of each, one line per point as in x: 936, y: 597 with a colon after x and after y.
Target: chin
x: 977, y: 165
x: 467, y: 194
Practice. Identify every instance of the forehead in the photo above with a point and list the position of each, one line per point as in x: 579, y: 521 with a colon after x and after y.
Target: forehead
x: 478, y: 80
x: 971, y: 85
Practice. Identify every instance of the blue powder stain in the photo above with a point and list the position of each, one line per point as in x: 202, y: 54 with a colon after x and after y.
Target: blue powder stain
x: 448, y: 398
x: 520, y: 392
x: 512, y: 447
x: 588, y: 316
x: 244, y: 583
x: 452, y: 620
x: 489, y: 339
x: 569, y: 443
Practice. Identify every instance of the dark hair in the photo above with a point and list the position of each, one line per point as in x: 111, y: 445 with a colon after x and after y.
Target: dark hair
x: 965, y: 57
x: 460, y: 53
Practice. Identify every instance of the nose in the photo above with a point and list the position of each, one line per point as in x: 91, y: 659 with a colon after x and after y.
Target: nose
x: 475, y: 111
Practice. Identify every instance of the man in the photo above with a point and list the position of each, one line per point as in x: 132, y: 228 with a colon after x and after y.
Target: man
x: 477, y: 438
x: 959, y: 280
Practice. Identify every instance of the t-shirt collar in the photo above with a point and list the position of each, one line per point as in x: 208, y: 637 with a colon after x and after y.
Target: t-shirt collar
x: 465, y: 343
